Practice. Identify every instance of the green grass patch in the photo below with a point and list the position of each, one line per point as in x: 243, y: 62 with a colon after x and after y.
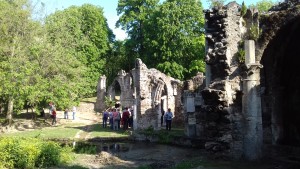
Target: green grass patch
x: 163, y: 135
x: 99, y: 131
x: 45, y: 133
x: 92, y: 99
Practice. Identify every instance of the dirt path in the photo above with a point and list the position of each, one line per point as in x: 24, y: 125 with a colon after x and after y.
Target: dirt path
x: 85, y: 115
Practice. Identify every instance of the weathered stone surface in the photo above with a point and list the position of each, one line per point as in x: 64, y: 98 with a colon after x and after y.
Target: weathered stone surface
x: 149, y: 92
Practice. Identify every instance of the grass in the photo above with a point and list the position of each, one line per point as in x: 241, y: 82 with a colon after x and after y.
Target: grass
x: 163, y: 135
x: 99, y: 131
x: 58, y: 132
x: 92, y: 99
x: 68, y: 132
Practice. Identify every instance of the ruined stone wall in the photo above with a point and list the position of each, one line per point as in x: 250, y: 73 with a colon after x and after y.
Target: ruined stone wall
x: 276, y: 50
x: 101, y: 93
x: 155, y: 92
x: 125, y: 82
x: 148, y: 91
x: 223, y: 111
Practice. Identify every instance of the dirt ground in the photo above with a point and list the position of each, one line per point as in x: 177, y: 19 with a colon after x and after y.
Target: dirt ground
x: 120, y: 156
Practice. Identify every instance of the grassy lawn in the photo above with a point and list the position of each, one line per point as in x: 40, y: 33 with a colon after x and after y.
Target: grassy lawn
x: 48, y: 132
x: 68, y: 132
x: 99, y: 131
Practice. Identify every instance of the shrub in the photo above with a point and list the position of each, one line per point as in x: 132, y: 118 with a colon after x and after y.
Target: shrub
x: 30, y: 153
x: 241, y: 55
x: 50, y: 155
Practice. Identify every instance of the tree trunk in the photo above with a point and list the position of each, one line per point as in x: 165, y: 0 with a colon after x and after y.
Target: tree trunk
x: 10, y: 107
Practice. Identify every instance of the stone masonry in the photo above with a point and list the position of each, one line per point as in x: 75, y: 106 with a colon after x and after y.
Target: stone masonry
x: 148, y: 92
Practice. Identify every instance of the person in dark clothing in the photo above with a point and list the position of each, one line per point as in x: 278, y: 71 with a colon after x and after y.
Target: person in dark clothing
x: 162, y: 118
x: 125, y: 118
x: 53, y: 117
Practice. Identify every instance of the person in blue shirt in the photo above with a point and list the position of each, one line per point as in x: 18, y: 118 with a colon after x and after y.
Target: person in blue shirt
x: 168, y: 117
x: 104, y: 118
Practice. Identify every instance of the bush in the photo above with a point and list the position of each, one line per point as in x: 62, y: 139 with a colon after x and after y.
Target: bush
x: 30, y: 153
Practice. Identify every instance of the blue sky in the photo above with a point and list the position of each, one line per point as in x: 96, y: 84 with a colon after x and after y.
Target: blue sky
x: 109, y: 7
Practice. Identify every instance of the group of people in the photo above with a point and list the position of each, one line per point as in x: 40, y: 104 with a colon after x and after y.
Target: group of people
x: 52, y: 112
x: 66, y: 113
x: 116, y: 118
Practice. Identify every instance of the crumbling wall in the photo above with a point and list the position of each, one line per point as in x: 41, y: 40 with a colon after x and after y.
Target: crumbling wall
x: 147, y: 90
x: 222, y: 96
x: 155, y: 93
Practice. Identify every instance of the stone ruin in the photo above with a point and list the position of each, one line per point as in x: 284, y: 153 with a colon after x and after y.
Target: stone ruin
x: 250, y: 93
x: 147, y: 91
x: 251, y: 102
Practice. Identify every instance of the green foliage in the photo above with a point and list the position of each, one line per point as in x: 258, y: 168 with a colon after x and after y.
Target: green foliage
x: 197, y: 66
x: 243, y: 9
x: 83, y: 33
x: 167, y: 36
x: 254, y: 32
x: 263, y: 5
x: 49, y: 155
x: 29, y: 153
x: 172, y: 69
x: 109, y: 102
x: 241, y: 55
x: 216, y: 3
x: 163, y: 136
x: 85, y: 148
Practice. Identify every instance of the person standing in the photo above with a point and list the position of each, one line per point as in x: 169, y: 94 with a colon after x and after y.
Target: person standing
x: 168, y: 117
x: 162, y: 118
x: 74, y: 112
x: 125, y: 118
x: 116, y: 118
x: 104, y: 119
x: 111, y: 119
x: 66, y: 115
x: 53, y: 117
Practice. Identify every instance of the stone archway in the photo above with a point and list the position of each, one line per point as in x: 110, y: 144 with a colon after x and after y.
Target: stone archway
x: 123, y: 87
x: 280, y: 79
x: 115, y: 91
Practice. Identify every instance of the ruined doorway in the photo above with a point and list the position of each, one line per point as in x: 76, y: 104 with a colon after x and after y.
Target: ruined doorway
x: 280, y: 79
x: 116, y: 92
x: 163, y: 106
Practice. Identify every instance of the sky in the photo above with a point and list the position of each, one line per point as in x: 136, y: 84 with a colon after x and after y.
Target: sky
x: 109, y: 8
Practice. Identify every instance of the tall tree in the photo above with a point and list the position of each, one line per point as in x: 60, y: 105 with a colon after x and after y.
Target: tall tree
x: 175, y: 38
x: 134, y: 14
x: 33, y: 71
x: 263, y: 5
x: 83, y: 31
x: 17, y: 35
x: 166, y: 36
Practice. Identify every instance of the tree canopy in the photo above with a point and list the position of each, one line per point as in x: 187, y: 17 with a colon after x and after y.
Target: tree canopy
x: 58, y: 60
x: 82, y: 32
x: 167, y: 36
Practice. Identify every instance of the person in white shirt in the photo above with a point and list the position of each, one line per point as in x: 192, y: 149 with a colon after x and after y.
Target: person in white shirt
x: 74, y: 112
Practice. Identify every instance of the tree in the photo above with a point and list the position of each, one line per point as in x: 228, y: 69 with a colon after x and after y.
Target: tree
x: 263, y: 5
x: 32, y: 70
x: 17, y: 35
x: 83, y: 32
x: 134, y: 13
x: 166, y: 36
x: 175, y: 38
x: 216, y: 3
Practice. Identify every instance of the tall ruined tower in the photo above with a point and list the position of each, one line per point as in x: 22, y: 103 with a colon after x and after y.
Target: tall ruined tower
x: 231, y: 97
